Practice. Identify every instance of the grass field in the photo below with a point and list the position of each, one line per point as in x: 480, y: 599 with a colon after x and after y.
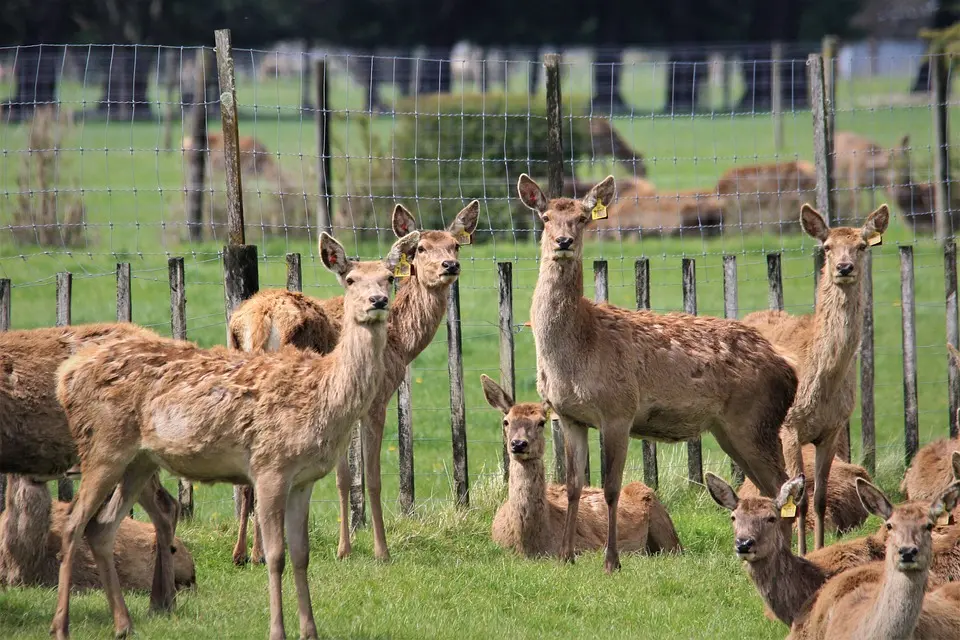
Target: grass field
x: 447, y: 578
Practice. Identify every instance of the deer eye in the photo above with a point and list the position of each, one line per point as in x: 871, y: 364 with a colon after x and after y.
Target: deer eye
x: 889, y: 526
x: 772, y: 519
x: 542, y: 424
x: 390, y: 279
x: 733, y: 518
x: 545, y: 218
x: 583, y: 219
x: 349, y: 281
x: 421, y: 250
x: 929, y: 526
x: 506, y: 422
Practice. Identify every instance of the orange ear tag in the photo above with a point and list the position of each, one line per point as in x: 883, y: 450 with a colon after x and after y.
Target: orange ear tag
x: 875, y: 241
x: 789, y: 508
x: 463, y: 238
x: 403, y: 267
x: 599, y: 211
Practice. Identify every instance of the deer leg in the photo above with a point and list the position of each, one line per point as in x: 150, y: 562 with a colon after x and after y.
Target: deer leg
x: 272, y: 492
x: 298, y: 508
x: 616, y: 441
x: 164, y: 512
x: 372, y: 432
x: 797, y: 458
x: 240, y: 557
x: 256, y: 552
x: 343, y: 488
x: 575, y: 450
x: 824, y: 460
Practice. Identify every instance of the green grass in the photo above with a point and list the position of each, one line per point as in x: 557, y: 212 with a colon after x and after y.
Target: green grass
x: 448, y: 579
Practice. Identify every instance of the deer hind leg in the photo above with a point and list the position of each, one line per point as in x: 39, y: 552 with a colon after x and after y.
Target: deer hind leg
x: 256, y: 552
x: 272, y: 492
x: 616, y: 440
x: 343, y: 489
x: 372, y: 431
x: 824, y: 460
x: 298, y: 510
x: 240, y: 557
x: 164, y: 512
x: 575, y: 451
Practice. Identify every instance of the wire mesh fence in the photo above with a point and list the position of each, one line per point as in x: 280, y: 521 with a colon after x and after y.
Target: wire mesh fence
x: 115, y: 154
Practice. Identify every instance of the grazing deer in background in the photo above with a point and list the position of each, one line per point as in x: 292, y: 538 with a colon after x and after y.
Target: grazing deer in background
x: 531, y: 520
x: 279, y: 421
x: 889, y: 599
x: 859, y: 163
x: 824, y: 346
x: 273, y: 318
x: 668, y: 377
x: 640, y: 208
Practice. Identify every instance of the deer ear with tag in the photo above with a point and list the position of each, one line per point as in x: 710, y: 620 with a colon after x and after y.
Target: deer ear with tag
x: 465, y: 223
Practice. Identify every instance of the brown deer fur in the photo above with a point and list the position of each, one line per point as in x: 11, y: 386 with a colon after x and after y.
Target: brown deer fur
x: 824, y: 346
x: 273, y: 318
x: 279, y: 421
x: 641, y: 208
x: 766, y: 194
x: 844, y: 509
x: 255, y: 158
x: 35, y: 439
x: 30, y: 541
x: 531, y: 520
x: 641, y: 374
x: 858, y: 163
x: 888, y: 599
x: 914, y: 199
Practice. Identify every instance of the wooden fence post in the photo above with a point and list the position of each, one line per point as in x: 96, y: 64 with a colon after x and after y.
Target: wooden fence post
x: 694, y: 449
x: 953, y: 332
x: 507, y: 368
x: 4, y: 326
x: 405, y: 444
x: 64, y: 301
x: 776, y: 97
x: 324, y: 210
x: 601, y: 293
x: 196, y: 154
x: 829, y: 52
x: 731, y: 309
x: 294, y: 273
x: 458, y: 418
x: 908, y: 316
x: 868, y: 437
x: 124, y: 303
x: 822, y: 138
x: 178, y: 330
x: 774, y: 282
x: 940, y: 74
x: 551, y: 64
x: 641, y: 272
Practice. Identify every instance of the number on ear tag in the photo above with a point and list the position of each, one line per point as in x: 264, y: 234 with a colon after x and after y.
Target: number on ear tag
x: 599, y: 211
x: 876, y: 240
x: 789, y: 509
x: 403, y: 267
x: 463, y: 238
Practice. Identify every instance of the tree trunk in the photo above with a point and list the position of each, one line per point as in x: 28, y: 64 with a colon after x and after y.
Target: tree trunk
x: 126, y: 83
x: 37, y: 70
x: 758, y: 82
x: 607, y: 67
x: 433, y: 72
x: 686, y: 75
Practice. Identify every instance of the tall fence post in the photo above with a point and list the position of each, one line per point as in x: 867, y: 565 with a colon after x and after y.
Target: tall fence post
x: 868, y: 434
x: 324, y: 211
x: 458, y: 417
x: 829, y: 52
x: 641, y: 272
x: 774, y: 281
x: 294, y: 273
x: 694, y: 448
x: 940, y: 74
x: 953, y: 333
x: 124, y: 303
x: 776, y: 97
x: 731, y: 309
x: 822, y: 137
x: 196, y: 153
x: 507, y: 370
x: 908, y: 317
x: 241, y: 279
x: 178, y: 329
x: 64, y: 302
x: 601, y: 293
x: 405, y: 443
x: 4, y: 326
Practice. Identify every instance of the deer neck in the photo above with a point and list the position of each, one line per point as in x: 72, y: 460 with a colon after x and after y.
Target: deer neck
x: 838, y: 321
x: 897, y: 608
x: 416, y: 316
x: 556, y: 309
x: 528, y: 496
x: 785, y: 582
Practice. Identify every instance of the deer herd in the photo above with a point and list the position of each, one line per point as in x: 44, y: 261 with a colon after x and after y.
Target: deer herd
x: 274, y: 411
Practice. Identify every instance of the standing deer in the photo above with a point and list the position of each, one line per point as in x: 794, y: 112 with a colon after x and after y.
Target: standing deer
x: 279, y: 421
x: 531, y: 520
x: 273, y: 318
x: 641, y: 374
x: 824, y: 345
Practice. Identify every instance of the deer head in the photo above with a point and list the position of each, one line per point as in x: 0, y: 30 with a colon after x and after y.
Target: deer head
x: 437, y: 259
x: 758, y: 527
x: 909, y: 525
x: 366, y: 284
x: 523, y: 424
x: 564, y: 219
x: 844, y: 247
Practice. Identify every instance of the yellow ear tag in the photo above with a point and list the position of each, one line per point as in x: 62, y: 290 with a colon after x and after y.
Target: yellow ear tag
x: 599, y: 211
x: 789, y: 509
x: 463, y: 238
x: 403, y: 267
x: 876, y: 240
x: 944, y: 519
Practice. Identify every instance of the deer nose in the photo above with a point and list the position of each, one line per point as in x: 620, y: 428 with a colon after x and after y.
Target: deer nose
x: 452, y: 267
x: 908, y: 554
x: 518, y: 446
x: 563, y: 242
x: 379, y: 302
x: 845, y: 268
x: 743, y: 545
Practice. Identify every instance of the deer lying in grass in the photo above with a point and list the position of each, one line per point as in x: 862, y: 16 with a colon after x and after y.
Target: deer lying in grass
x: 35, y: 439
x: 766, y: 194
x: 640, y: 374
x: 279, y: 421
x: 640, y: 207
x: 889, y: 599
x: 30, y: 542
x: 256, y: 160
x: 844, y: 509
x: 275, y: 317
x: 531, y: 521
x: 824, y: 346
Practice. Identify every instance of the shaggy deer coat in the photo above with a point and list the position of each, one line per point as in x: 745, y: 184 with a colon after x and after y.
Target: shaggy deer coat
x: 641, y: 374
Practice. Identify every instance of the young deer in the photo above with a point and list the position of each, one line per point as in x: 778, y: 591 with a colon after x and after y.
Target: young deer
x: 279, y: 421
x: 531, y: 520
x: 35, y: 439
x: 889, y: 599
x: 824, y: 346
x: 641, y: 374
x: 31, y: 529
x: 274, y: 318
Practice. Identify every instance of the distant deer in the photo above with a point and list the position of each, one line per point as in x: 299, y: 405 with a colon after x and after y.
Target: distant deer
x: 273, y: 318
x: 641, y: 208
x: 914, y: 199
x: 858, y: 163
x: 824, y: 346
x: 669, y: 377
x: 531, y: 521
x: 256, y: 160
x: 889, y: 599
x: 30, y: 542
x: 766, y: 194
x: 279, y: 421
x: 35, y: 439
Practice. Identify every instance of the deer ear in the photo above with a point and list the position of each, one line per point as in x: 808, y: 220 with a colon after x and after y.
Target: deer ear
x: 531, y: 194
x: 876, y: 223
x: 946, y: 502
x: 403, y: 222
x: 333, y: 256
x: 495, y: 395
x: 405, y: 246
x: 813, y: 223
x: 792, y: 488
x: 721, y: 492
x: 466, y: 220
x: 873, y: 499
x: 601, y: 194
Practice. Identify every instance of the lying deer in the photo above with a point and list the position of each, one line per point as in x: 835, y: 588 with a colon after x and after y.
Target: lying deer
x: 279, y: 421
x: 531, y: 520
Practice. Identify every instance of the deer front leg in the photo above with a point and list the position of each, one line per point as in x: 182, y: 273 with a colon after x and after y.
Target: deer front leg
x: 575, y: 450
x: 616, y: 440
x: 801, y: 504
x: 298, y: 510
x: 824, y: 460
x: 272, y: 491
x: 372, y: 431
x: 343, y: 488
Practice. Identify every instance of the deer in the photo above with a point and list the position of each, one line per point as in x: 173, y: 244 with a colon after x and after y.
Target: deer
x: 31, y: 529
x: 273, y: 318
x: 668, y: 377
x: 858, y: 163
x: 35, y: 439
x: 844, y: 510
x: 914, y: 199
x: 889, y: 599
x: 531, y: 521
x: 642, y: 208
x: 824, y: 346
x: 763, y: 194
x: 278, y: 421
